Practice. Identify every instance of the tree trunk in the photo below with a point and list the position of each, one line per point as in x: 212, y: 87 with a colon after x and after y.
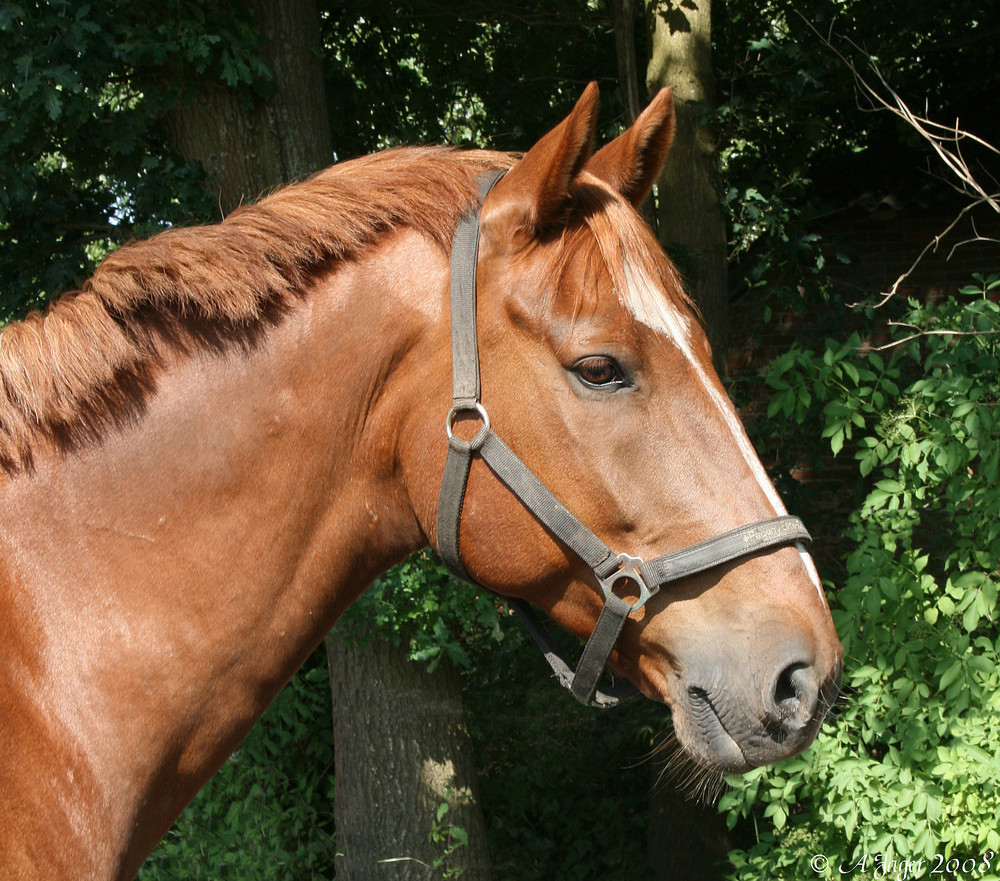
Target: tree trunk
x: 402, y: 751
x: 692, y: 226
x: 623, y: 20
x: 623, y: 16
x: 687, y: 840
x: 248, y: 146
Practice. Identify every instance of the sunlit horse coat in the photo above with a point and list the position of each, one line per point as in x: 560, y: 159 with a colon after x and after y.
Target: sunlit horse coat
x: 210, y: 450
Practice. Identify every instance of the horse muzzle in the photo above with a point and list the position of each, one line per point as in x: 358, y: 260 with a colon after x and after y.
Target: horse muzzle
x: 730, y: 719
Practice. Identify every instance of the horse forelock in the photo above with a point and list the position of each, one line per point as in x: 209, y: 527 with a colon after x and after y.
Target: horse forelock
x: 68, y: 370
x: 647, y: 284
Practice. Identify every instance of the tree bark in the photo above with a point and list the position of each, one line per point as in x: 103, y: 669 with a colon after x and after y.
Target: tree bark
x: 687, y: 840
x: 691, y: 222
x: 248, y: 145
x: 399, y: 738
x: 623, y: 15
x: 623, y: 20
x: 402, y: 751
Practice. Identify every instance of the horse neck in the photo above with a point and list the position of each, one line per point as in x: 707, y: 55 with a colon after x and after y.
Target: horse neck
x: 178, y: 572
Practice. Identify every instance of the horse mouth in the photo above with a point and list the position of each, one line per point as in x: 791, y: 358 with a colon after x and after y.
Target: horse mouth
x: 717, y: 749
x: 726, y: 737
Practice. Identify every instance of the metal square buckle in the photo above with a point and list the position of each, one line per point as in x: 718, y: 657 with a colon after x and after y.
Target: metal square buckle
x: 628, y: 568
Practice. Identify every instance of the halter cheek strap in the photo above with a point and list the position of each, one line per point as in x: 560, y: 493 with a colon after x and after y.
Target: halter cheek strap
x: 609, y: 568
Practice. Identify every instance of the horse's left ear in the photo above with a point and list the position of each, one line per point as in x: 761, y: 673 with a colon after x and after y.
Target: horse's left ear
x: 631, y: 162
x: 534, y: 193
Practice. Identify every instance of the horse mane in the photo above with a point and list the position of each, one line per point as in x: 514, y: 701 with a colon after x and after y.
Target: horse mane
x: 91, y: 360
x: 92, y: 356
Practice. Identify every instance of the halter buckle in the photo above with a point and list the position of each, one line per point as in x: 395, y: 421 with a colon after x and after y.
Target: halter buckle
x: 628, y: 568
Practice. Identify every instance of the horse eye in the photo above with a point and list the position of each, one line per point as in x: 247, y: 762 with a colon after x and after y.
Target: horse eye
x: 600, y: 372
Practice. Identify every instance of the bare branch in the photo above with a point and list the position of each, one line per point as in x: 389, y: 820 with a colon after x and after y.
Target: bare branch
x: 946, y: 141
x: 930, y: 247
x: 977, y: 237
x: 923, y: 333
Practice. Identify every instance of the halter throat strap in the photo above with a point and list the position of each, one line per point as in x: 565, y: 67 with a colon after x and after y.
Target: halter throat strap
x: 609, y: 568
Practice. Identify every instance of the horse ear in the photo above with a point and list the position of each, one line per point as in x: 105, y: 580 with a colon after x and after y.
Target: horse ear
x: 631, y: 162
x: 533, y: 194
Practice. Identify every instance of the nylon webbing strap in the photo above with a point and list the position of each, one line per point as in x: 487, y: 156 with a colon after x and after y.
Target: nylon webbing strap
x: 598, y: 649
x: 537, y: 498
x: 724, y: 548
x: 464, y: 377
x: 464, y: 346
x: 672, y: 567
x: 586, y: 684
x: 456, y: 476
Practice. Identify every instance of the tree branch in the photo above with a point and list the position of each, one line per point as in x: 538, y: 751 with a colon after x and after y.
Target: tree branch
x: 945, y: 140
x: 923, y: 333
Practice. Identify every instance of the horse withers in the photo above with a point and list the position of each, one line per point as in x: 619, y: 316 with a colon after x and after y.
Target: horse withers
x: 211, y: 449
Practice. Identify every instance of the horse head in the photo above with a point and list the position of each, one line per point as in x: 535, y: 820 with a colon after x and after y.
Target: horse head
x: 596, y: 373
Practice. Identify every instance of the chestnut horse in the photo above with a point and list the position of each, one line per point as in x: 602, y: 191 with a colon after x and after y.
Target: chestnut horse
x: 212, y: 449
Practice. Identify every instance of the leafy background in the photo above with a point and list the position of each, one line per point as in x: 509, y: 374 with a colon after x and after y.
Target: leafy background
x: 909, y: 770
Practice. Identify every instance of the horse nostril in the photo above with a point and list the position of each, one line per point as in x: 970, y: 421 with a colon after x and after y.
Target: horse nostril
x: 785, y: 691
x: 793, y: 700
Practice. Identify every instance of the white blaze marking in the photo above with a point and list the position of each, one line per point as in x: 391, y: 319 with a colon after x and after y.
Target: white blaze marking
x: 649, y: 306
x: 807, y: 560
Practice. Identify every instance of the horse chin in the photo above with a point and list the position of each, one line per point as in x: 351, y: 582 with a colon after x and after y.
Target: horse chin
x: 726, y: 743
x: 708, y: 744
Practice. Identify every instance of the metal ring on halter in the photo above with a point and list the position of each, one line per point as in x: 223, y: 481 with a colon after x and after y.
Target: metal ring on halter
x: 480, y: 437
x: 629, y: 568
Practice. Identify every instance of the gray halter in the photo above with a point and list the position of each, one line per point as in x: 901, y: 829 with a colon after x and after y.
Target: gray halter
x: 609, y: 568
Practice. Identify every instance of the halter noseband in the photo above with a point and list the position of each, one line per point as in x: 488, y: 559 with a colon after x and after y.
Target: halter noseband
x: 609, y: 567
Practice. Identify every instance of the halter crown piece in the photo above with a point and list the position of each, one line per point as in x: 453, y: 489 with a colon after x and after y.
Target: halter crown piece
x: 609, y: 568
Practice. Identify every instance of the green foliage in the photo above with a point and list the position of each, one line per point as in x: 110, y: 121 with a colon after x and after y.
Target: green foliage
x: 406, y: 73
x: 912, y: 768
x: 793, y: 144
x: 419, y: 604
x: 83, y: 90
x: 266, y: 815
x: 448, y: 839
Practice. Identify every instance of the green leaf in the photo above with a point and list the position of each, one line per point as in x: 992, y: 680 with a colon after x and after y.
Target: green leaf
x: 970, y: 579
x: 951, y: 674
x: 837, y: 441
x: 970, y: 619
x: 53, y: 104
x: 889, y: 589
x: 982, y: 664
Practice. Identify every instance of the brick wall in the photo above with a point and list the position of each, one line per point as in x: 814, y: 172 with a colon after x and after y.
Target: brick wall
x: 883, y: 243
